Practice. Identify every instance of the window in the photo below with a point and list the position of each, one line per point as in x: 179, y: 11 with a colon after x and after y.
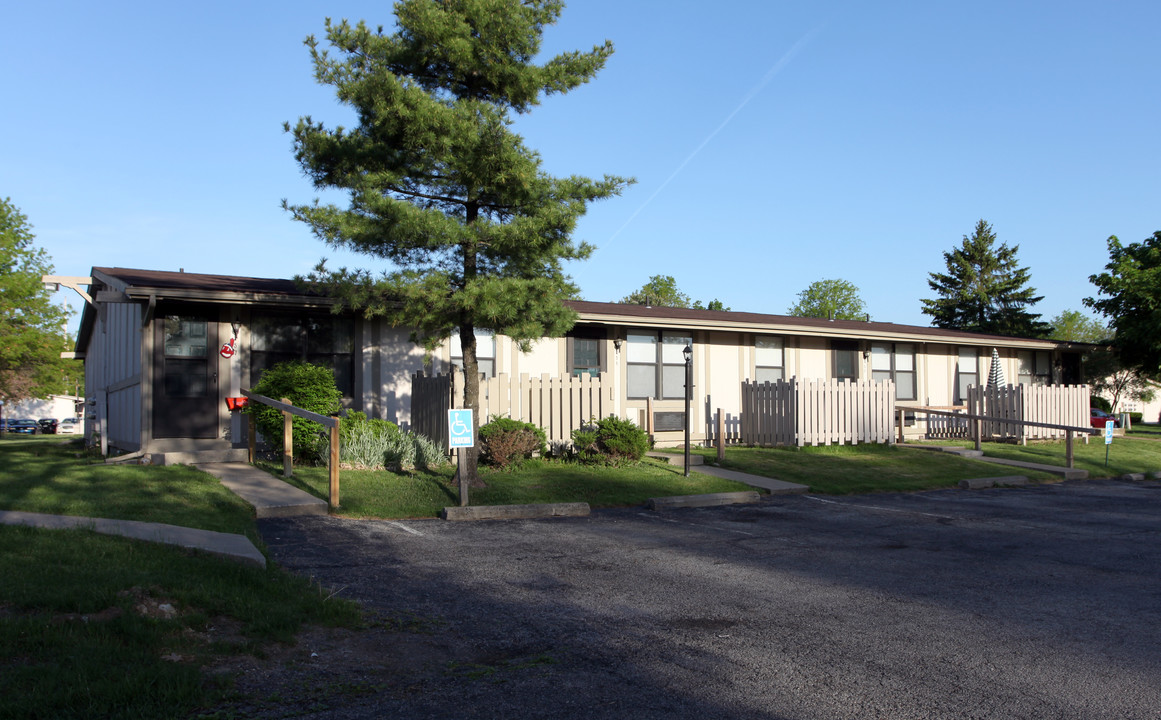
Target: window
x: 846, y: 359
x: 323, y: 340
x: 586, y: 351
x: 895, y: 361
x: 967, y: 372
x: 186, y: 371
x: 485, y: 351
x: 656, y: 365
x: 769, y: 359
x: 1035, y: 367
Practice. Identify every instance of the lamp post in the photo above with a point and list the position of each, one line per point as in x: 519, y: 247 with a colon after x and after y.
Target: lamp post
x: 688, y: 353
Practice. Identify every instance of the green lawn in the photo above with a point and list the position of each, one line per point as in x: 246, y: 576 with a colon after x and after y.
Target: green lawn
x: 845, y: 469
x: 1136, y: 453
x: 378, y: 493
x: 83, y: 633
x: 56, y: 476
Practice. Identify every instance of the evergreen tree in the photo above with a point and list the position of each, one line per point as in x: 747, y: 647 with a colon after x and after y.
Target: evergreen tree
x: 440, y: 187
x: 984, y: 290
x: 32, y: 334
x: 830, y: 300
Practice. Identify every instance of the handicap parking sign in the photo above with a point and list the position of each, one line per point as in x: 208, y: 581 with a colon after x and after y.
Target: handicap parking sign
x: 1109, y: 425
x: 459, y: 423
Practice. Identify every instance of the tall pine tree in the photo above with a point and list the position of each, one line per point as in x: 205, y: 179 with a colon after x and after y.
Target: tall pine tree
x: 984, y: 290
x: 473, y: 233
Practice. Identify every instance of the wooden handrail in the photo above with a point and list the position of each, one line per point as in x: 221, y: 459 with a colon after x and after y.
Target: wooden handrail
x: 970, y: 416
x: 287, y: 410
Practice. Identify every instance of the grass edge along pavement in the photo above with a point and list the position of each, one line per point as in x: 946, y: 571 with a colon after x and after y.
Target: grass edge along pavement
x: 425, y: 494
x: 100, y: 626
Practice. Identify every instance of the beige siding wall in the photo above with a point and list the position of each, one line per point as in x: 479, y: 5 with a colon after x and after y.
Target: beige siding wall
x: 812, y: 359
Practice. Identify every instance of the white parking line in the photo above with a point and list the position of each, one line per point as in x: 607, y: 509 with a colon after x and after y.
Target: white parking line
x: 404, y: 528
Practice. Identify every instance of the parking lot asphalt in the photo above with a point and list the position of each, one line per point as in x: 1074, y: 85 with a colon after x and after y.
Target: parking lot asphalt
x: 1037, y: 602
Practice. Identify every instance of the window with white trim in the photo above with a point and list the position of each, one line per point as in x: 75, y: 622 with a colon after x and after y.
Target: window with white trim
x: 1035, y: 367
x: 656, y: 365
x: 967, y: 372
x: 846, y: 359
x: 769, y: 359
x: 895, y: 362
x: 485, y: 351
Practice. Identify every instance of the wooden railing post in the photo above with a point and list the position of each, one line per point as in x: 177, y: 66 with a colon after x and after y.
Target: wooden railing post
x: 251, y: 437
x: 287, y: 442
x: 334, y: 475
x: 1068, y: 449
x: 902, y: 419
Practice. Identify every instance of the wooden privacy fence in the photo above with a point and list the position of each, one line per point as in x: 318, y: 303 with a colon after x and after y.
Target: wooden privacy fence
x: 558, y: 405
x: 817, y: 412
x: 1049, y: 406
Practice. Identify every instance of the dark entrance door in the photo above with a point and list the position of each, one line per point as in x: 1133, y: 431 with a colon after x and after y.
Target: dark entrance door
x: 185, y: 377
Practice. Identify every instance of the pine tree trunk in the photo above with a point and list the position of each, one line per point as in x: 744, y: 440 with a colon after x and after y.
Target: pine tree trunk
x: 472, y: 402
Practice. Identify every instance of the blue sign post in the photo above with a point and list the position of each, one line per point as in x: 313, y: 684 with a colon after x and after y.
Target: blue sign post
x: 1109, y: 425
x: 461, y: 434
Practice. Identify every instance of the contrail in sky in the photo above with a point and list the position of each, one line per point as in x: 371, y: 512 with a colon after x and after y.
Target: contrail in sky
x: 782, y: 62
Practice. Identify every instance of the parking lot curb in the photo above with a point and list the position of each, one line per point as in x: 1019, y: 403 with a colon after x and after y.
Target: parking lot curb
x: 1005, y: 481
x: 515, y: 512
x: 709, y: 500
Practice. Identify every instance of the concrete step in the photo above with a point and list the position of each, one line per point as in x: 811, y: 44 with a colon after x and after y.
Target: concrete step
x: 195, y: 457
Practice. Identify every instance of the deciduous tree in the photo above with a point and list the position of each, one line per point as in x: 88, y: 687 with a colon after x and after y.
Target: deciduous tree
x: 984, y: 289
x: 32, y: 333
x: 472, y: 231
x: 830, y: 300
x: 1130, y: 297
x: 662, y: 291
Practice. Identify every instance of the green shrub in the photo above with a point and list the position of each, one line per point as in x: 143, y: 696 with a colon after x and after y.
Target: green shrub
x: 505, y: 442
x: 1100, y: 403
x: 1136, y: 418
x: 610, y: 441
x: 310, y: 387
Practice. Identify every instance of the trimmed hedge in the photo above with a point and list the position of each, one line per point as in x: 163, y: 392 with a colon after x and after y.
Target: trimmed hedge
x: 310, y: 387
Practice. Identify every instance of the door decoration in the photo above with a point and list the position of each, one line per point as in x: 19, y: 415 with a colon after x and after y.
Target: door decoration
x: 231, y: 347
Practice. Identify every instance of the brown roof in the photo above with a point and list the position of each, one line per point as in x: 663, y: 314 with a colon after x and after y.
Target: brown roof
x: 592, y: 311
x: 198, y: 281
x: 191, y: 284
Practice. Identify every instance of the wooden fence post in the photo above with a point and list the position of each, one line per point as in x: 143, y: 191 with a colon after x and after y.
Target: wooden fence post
x: 287, y: 441
x: 1068, y: 449
x: 902, y: 419
x: 721, y: 436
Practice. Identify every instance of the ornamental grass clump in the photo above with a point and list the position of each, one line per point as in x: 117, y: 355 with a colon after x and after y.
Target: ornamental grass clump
x: 374, y: 444
x: 505, y: 442
x: 610, y: 441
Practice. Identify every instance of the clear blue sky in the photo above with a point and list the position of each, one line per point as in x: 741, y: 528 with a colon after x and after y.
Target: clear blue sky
x: 773, y: 143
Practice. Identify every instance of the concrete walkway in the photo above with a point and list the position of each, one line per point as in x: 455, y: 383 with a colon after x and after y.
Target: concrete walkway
x: 270, y: 496
x: 1066, y: 473
x: 776, y: 487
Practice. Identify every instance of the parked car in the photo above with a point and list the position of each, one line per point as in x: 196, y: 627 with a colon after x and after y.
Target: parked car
x: 23, y: 427
x: 69, y: 426
x: 47, y: 425
x: 1100, y: 417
